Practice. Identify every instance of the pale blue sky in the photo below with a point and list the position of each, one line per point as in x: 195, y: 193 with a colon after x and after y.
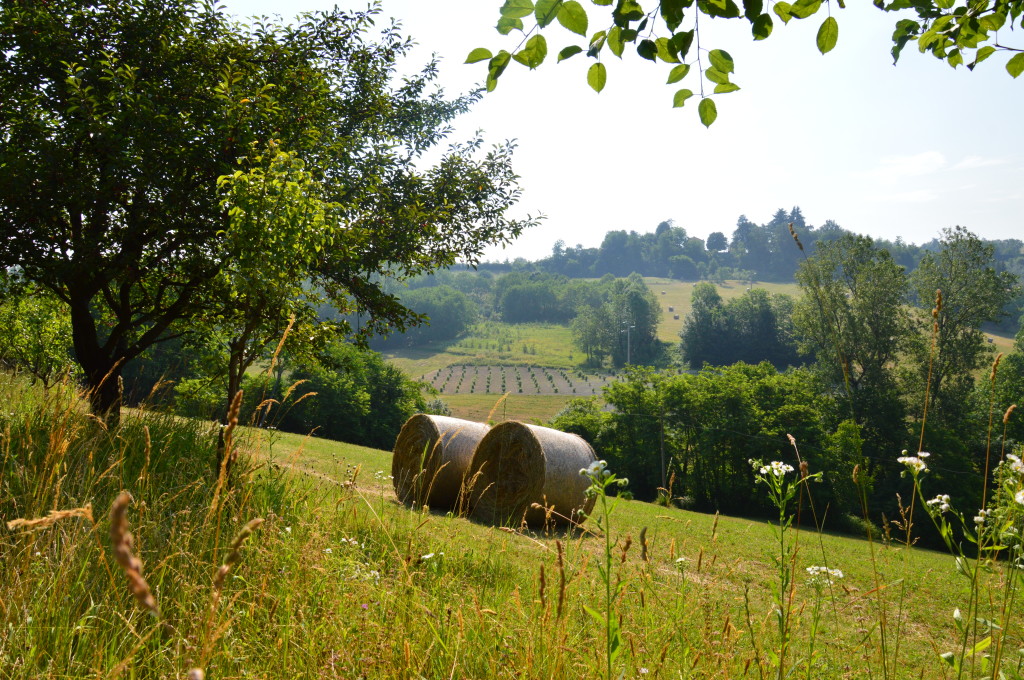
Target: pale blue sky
x: 882, y: 150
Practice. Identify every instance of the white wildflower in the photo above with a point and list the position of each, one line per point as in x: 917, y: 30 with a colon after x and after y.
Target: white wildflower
x: 940, y: 503
x: 824, y: 575
x: 328, y: 551
x: 979, y: 519
x: 1019, y: 496
x: 916, y: 463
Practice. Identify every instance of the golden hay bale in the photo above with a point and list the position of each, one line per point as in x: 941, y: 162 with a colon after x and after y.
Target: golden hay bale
x: 431, y: 456
x: 517, y: 466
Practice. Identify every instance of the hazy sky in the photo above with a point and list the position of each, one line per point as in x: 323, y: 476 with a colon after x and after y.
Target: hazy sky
x: 882, y: 150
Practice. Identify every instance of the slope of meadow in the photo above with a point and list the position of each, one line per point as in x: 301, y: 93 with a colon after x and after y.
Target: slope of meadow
x: 339, y: 580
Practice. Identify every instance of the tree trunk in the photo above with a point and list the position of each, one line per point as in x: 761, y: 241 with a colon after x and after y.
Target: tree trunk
x: 102, y: 371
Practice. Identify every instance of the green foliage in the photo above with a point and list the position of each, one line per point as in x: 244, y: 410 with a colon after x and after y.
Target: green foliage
x: 35, y: 332
x: 125, y: 120
x: 448, y: 314
x: 951, y: 30
x: 752, y: 328
x: 349, y: 395
x: 852, y: 317
x: 973, y: 292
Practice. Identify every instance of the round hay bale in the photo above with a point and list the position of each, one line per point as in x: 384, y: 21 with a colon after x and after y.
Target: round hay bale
x: 517, y: 466
x: 430, y: 459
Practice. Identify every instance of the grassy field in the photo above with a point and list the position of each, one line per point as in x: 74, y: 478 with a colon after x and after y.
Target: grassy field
x: 492, y: 343
x: 300, y: 563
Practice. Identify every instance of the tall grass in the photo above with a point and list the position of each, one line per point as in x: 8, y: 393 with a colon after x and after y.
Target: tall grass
x: 339, y: 580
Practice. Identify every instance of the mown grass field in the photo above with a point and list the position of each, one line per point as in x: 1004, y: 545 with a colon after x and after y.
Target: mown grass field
x: 336, y: 579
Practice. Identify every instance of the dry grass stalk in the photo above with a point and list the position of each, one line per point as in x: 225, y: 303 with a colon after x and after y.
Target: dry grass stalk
x: 229, y: 453
x: 1009, y: 411
x: 280, y: 344
x: 792, y: 232
x: 52, y: 518
x: 123, y: 543
x: 234, y: 554
x: 995, y: 367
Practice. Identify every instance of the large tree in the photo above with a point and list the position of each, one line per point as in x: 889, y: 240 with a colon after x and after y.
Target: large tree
x: 116, y: 121
x: 973, y: 292
x: 668, y: 31
x: 852, y: 318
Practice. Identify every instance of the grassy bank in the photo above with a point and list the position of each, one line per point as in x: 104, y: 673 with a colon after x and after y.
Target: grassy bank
x: 341, y: 581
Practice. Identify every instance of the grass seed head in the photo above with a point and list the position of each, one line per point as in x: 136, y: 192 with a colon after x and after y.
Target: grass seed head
x: 123, y: 543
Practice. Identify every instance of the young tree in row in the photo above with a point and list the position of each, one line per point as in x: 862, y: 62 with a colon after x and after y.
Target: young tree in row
x: 117, y: 120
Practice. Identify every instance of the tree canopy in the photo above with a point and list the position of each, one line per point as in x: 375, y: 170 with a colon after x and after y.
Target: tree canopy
x: 668, y: 32
x: 117, y: 120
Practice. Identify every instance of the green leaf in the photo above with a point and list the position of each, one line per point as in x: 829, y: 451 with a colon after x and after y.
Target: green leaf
x: 802, y: 9
x: 597, y: 76
x: 672, y: 13
x: 707, y: 111
x: 716, y: 76
x: 762, y: 27
x: 905, y: 31
x: 981, y: 55
x: 627, y: 11
x: 508, y: 24
x: 573, y: 17
x: 615, y: 42
x: 665, y: 51
x: 517, y: 9
x: 752, y: 9
x: 597, y: 42
x: 782, y: 10
x: 602, y: 3
x: 570, y: 51
x: 495, y: 68
x: 597, y: 616
x: 680, y: 97
x: 545, y: 11
x: 1016, y: 65
x: 479, y: 54
x: 681, y: 42
x: 828, y: 35
x: 648, y: 50
x: 720, y: 8
x: 534, y: 53
x: 678, y: 73
x: 721, y: 60
x: 723, y: 88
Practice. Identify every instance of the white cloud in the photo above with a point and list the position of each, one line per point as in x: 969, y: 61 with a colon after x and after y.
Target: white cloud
x: 894, y: 168
x: 972, y: 162
x: 917, y: 196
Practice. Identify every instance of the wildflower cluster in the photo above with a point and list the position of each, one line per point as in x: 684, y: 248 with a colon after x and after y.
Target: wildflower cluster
x: 601, y: 478
x: 823, y: 576
x: 939, y: 504
x: 777, y: 468
x: 915, y: 464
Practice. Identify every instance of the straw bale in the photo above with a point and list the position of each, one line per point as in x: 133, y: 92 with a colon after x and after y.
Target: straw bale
x: 431, y: 456
x: 517, y: 466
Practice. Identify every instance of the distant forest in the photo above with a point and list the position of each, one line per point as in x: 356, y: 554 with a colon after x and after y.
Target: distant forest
x: 754, y: 252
